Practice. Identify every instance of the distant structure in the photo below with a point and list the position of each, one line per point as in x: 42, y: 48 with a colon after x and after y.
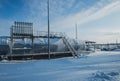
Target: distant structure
x: 90, y: 45
x: 108, y: 46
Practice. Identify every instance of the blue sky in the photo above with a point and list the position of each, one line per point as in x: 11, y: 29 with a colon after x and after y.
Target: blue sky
x: 97, y: 20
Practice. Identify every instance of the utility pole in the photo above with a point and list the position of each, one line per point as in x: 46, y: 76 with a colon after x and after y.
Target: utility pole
x: 76, y: 30
x: 11, y: 42
x: 48, y: 33
x: 117, y: 43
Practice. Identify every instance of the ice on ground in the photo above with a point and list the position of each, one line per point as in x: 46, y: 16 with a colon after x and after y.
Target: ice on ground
x: 105, y: 76
x: 99, y: 66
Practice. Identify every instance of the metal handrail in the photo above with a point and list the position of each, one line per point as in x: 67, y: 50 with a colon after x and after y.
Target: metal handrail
x: 70, y: 47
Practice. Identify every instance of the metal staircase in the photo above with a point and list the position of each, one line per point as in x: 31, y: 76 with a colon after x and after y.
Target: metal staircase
x: 70, y: 47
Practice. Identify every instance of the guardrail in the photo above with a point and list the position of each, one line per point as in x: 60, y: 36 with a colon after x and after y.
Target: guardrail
x: 52, y: 34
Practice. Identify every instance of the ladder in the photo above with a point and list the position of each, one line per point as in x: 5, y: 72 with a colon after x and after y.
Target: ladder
x: 70, y: 47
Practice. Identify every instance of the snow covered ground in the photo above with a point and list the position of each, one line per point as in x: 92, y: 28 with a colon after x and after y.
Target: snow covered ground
x: 99, y: 66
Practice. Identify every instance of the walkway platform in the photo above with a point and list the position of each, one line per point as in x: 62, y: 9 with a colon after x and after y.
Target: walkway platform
x: 38, y: 56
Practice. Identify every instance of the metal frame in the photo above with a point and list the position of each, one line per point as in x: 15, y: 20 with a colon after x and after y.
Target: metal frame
x: 21, y: 30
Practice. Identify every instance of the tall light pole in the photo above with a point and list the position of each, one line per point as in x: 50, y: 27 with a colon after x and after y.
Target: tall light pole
x: 76, y: 29
x: 48, y: 33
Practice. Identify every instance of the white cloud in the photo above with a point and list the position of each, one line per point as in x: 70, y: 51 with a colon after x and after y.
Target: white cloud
x: 104, y: 11
x: 67, y: 23
x: 91, y: 14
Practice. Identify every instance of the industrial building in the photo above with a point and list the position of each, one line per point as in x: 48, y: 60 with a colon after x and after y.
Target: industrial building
x: 21, y: 44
